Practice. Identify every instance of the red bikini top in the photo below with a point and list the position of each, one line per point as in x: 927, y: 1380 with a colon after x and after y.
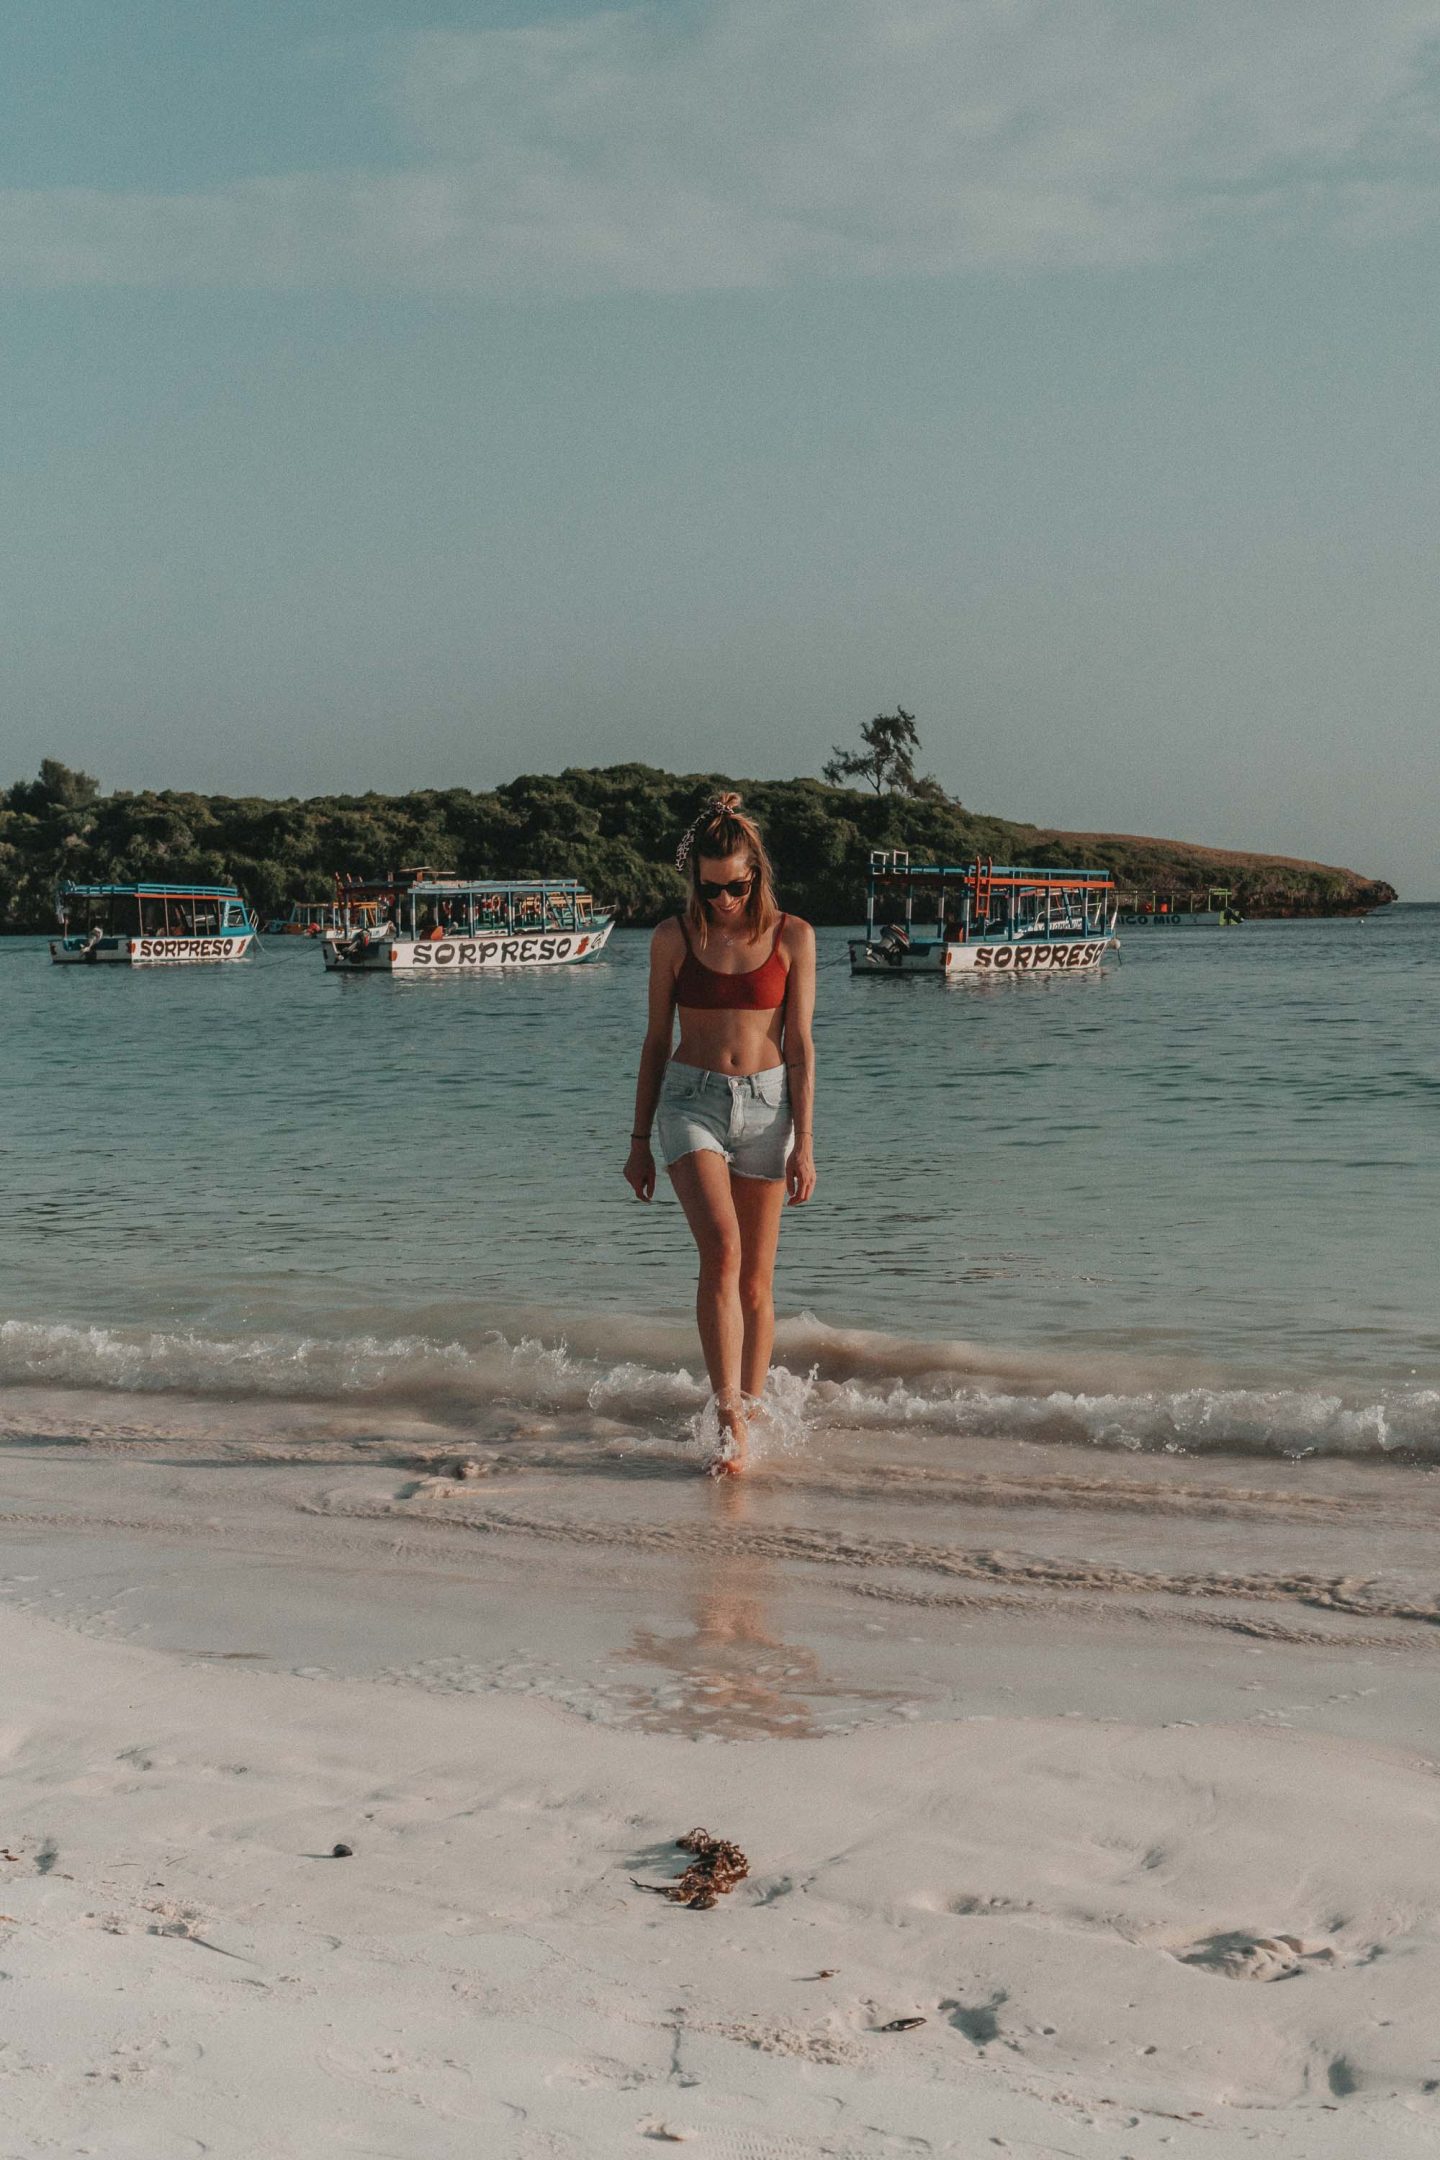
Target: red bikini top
x: 759, y: 989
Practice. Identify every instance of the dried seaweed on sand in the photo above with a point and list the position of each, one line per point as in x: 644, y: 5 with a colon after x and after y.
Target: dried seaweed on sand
x: 716, y: 1868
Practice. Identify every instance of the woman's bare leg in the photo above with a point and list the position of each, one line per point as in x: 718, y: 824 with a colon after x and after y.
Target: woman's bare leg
x: 758, y: 1204
x: 702, y: 1185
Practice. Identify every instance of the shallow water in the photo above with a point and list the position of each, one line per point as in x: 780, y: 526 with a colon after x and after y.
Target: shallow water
x: 864, y: 1576
x: 1188, y: 1203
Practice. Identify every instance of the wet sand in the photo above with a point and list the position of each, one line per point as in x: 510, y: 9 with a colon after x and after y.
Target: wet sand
x: 1076, y: 1756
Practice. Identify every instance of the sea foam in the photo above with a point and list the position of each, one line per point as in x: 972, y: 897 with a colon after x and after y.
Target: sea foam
x: 854, y: 1382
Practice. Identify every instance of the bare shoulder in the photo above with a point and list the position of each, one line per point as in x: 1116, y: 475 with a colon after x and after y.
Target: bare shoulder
x: 797, y: 939
x: 667, y: 941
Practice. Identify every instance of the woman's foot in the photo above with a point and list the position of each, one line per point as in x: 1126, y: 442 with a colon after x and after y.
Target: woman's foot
x: 732, y: 1457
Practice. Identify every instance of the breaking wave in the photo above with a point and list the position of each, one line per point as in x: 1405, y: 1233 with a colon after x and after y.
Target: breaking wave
x: 630, y: 1369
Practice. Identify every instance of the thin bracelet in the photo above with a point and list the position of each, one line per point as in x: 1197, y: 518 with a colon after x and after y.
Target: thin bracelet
x: 639, y: 1135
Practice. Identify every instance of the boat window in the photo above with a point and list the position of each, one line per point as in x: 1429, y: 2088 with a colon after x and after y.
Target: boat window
x: 435, y: 920
x: 112, y: 914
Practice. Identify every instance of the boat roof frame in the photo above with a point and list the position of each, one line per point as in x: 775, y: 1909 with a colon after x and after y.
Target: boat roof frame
x: 451, y: 887
x: 996, y: 874
x: 148, y: 890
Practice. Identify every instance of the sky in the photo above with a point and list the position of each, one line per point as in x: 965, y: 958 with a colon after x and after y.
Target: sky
x: 403, y: 394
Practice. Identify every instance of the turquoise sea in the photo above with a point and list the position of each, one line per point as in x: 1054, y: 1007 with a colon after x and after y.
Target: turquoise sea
x: 1188, y: 1203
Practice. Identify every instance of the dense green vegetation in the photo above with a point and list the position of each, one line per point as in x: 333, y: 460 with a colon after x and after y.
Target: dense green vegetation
x: 616, y: 828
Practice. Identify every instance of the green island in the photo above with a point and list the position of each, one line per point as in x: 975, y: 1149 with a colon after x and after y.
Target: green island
x: 614, y: 827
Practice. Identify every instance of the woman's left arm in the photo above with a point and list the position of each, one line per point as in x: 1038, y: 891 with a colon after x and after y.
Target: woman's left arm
x: 800, y: 1060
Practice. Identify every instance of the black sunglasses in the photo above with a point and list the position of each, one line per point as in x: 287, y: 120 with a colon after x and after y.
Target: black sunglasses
x: 737, y: 888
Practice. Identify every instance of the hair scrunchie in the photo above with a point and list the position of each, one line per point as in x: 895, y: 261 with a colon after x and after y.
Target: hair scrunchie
x: 718, y: 806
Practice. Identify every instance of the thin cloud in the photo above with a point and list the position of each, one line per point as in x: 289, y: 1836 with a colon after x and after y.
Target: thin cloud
x: 725, y: 144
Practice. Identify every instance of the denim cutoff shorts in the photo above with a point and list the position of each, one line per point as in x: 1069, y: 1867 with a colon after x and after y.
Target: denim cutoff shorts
x: 744, y: 1117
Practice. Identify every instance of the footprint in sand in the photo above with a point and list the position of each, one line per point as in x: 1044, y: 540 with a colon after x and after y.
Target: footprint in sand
x: 1237, y: 1954
x: 970, y: 1907
x: 979, y: 2022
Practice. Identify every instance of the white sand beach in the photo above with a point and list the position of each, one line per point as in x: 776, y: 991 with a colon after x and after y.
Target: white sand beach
x: 1148, y: 1846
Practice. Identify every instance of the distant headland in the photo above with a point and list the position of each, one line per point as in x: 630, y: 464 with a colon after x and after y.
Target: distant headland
x: 614, y: 826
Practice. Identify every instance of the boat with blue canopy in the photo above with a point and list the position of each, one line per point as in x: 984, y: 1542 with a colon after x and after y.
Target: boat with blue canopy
x: 419, y: 922
x: 982, y: 919
x: 150, y: 924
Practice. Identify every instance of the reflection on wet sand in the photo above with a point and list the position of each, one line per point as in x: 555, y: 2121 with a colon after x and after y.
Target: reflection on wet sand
x: 733, y: 1676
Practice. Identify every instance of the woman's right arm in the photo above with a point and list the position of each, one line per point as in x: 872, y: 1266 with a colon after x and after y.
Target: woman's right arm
x: 660, y: 1028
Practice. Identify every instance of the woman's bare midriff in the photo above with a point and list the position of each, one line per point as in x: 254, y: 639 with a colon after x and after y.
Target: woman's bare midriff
x: 730, y: 1040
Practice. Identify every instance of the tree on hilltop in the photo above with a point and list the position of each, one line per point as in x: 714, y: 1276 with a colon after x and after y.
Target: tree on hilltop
x: 59, y: 789
x: 887, y: 762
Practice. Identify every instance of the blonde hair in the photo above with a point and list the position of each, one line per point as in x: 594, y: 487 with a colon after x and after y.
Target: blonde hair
x: 722, y: 829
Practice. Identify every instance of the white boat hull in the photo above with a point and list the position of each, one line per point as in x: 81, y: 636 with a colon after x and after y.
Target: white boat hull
x: 153, y: 951
x: 983, y: 958
x: 463, y: 956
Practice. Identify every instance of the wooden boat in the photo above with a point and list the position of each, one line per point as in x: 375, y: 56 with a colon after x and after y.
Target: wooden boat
x: 984, y: 919
x: 305, y: 918
x: 418, y: 922
x: 149, y: 924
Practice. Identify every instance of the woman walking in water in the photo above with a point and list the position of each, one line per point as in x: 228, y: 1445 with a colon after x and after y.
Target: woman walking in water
x: 734, y: 1098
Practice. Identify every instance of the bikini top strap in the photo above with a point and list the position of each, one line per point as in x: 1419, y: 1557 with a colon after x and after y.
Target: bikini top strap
x: 779, y: 933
